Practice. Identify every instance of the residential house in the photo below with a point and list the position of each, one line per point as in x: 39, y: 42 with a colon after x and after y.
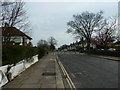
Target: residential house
x: 15, y: 37
x: 117, y: 43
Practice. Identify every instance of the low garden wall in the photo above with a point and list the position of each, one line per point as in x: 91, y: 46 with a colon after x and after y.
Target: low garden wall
x: 16, y: 59
x: 15, y: 69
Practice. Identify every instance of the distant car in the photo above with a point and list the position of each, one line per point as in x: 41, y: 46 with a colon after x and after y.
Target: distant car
x: 102, y: 49
x: 111, y: 49
x: 65, y: 50
x: 81, y: 50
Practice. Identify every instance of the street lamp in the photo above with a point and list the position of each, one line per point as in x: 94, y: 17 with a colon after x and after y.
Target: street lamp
x: 118, y: 21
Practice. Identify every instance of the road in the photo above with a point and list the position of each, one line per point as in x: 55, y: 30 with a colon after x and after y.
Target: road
x: 91, y: 72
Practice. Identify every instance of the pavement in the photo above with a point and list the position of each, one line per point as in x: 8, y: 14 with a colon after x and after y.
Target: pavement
x: 43, y: 74
x: 108, y: 57
x: 105, y: 57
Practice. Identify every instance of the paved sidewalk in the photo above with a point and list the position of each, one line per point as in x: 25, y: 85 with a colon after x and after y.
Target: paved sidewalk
x: 44, y: 74
x: 105, y: 57
x: 109, y: 57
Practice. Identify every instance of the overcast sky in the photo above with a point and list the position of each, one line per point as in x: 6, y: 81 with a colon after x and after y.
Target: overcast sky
x: 50, y: 18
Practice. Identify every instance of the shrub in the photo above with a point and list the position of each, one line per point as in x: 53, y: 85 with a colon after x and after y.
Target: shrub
x: 11, y: 54
x: 42, y: 50
x: 104, y: 52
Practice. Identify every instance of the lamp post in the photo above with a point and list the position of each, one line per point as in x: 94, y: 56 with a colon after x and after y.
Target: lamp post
x: 118, y: 21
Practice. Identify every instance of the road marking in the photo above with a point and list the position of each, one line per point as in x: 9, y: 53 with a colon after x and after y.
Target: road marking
x: 70, y: 82
x: 65, y: 74
x: 73, y: 75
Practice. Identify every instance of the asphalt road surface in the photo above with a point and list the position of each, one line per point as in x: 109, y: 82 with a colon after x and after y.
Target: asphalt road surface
x: 91, y: 72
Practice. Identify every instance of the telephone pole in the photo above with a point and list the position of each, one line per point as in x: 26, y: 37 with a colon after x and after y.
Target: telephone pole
x: 119, y: 21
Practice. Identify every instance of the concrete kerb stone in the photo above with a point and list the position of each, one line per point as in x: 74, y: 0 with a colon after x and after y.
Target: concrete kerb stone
x: 69, y: 83
x: 59, y: 80
x: 105, y: 57
x: 109, y: 58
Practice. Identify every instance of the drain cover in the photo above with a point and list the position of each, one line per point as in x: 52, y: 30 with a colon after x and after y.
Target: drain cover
x: 48, y: 74
x: 64, y: 76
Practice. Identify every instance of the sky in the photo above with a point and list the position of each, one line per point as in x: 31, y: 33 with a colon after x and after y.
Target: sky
x: 50, y: 18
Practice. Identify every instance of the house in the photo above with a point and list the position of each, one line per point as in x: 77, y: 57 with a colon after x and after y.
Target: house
x: 74, y: 46
x: 14, y: 36
x: 117, y: 43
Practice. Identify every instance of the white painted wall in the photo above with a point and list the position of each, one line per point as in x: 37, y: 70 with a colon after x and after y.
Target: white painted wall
x: 15, y: 70
x: 18, y: 39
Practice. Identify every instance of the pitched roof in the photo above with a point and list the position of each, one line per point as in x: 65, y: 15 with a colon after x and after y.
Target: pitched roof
x: 12, y: 31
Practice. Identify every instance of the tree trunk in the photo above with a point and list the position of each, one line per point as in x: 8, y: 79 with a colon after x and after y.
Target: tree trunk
x: 88, y: 45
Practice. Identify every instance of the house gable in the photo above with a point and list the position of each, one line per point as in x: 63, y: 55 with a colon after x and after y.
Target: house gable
x: 16, y: 36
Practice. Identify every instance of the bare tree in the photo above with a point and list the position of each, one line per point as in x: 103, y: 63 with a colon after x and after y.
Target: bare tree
x: 108, y: 34
x: 85, y: 24
x: 52, y: 42
x: 42, y: 42
x: 14, y: 14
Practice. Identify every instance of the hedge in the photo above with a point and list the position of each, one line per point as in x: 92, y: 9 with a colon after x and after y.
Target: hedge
x: 42, y: 50
x: 104, y: 52
x: 11, y: 54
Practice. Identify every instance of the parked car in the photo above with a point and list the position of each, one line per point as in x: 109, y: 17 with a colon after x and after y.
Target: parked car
x: 81, y: 50
x: 111, y: 49
x: 102, y: 49
x: 64, y: 50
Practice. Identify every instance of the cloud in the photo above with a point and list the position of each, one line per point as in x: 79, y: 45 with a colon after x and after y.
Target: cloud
x: 49, y: 19
x: 71, y: 0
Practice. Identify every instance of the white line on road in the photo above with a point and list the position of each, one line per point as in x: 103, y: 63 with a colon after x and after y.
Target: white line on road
x: 73, y: 75
x: 70, y: 82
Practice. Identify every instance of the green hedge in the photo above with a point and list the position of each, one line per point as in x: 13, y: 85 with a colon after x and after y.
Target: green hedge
x: 104, y: 52
x: 13, y: 54
x: 42, y: 50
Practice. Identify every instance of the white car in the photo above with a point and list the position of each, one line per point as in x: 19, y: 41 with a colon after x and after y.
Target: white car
x: 111, y: 49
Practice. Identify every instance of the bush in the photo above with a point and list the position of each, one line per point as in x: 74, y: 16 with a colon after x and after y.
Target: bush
x: 117, y: 47
x: 104, y: 52
x: 13, y: 54
x: 42, y: 50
